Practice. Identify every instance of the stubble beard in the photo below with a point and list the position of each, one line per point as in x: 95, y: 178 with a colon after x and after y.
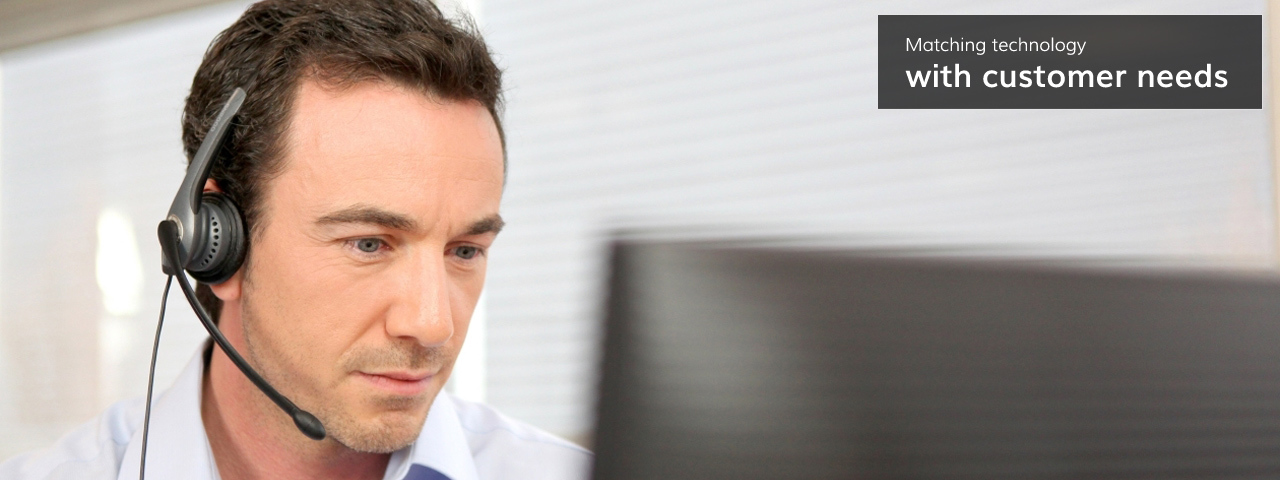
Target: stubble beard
x: 397, y: 427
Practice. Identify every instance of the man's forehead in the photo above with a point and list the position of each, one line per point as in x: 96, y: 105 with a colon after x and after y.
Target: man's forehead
x: 383, y: 149
x: 374, y: 118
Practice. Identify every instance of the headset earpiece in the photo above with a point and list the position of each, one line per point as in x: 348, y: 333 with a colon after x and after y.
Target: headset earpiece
x: 210, y: 231
x: 219, y: 240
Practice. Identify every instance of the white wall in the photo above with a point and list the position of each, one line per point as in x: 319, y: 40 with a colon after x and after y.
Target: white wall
x: 760, y: 115
x: 91, y: 139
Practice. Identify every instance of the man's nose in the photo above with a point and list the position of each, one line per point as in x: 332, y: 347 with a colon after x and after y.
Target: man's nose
x: 421, y: 311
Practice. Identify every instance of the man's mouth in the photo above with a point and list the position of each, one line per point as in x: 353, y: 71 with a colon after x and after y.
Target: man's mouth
x: 404, y: 383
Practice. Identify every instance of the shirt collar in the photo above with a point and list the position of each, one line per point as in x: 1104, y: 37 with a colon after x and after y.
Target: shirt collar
x: 441, y: 446
x: 178, y: 447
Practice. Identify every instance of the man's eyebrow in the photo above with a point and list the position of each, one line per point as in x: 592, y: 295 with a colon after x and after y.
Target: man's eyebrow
x: 377, y: 216
x: 370, y: 215
x: 489, y: 224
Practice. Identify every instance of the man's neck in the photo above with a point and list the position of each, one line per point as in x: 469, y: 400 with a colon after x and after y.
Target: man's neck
x: 250, y: 439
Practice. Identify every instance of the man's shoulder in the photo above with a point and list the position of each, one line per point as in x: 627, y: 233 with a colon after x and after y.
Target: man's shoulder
x: 504, y: 447
x: 91, y: 451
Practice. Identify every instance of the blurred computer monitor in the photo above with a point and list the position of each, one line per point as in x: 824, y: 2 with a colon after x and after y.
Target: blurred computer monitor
x: 739, y: 363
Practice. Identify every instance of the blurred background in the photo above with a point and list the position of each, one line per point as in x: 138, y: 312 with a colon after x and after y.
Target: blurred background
x: 696, y: 118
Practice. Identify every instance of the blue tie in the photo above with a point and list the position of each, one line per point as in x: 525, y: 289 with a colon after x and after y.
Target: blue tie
x: 420, y: 472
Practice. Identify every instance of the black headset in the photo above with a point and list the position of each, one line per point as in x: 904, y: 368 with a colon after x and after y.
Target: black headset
x: 204, y: 235
x: 211, y: 237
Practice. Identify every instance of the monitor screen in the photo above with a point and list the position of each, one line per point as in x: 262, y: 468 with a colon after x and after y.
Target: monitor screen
x: 741, y: 363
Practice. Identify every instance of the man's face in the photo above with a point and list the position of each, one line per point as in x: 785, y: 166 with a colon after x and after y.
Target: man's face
x: 372, y: 255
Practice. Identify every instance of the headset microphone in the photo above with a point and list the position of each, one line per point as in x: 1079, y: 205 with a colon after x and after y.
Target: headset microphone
x: 306, y: 422
x: 204, y: 235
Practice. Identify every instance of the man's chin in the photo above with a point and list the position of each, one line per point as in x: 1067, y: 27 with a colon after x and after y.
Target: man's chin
x: 379, y: 405
x: 384, y: 425
x: 384, y: 432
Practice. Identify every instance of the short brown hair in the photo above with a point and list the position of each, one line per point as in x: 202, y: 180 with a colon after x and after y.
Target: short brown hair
x: 270, y: 49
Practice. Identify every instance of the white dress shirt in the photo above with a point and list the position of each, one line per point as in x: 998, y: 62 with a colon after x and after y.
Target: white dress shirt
x: 460, y: 441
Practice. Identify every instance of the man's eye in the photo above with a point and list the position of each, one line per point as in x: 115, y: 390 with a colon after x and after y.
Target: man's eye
x: 368, y: 245
x: 466, y: 252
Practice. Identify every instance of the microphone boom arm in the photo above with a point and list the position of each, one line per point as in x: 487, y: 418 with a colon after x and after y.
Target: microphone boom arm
x: 306, y: 422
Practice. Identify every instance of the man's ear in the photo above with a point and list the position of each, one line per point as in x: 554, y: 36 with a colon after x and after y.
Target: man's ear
x: 228, y: 291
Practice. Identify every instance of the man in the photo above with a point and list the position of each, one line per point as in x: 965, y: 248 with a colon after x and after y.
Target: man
x: 368, y: 160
